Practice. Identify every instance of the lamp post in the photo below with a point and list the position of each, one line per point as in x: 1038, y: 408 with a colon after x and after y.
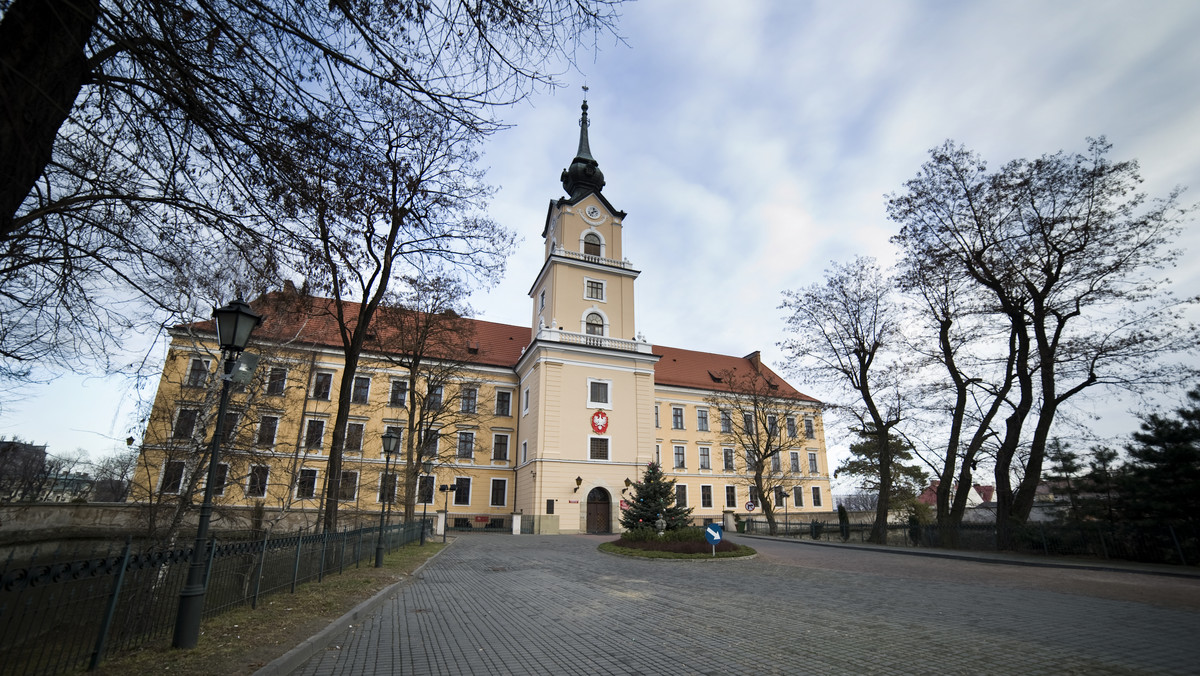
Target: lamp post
x: 235, y: 322
x: 783, y: 498
x: 446, y: 488
x: 427, y: 468
x: 390, y: 441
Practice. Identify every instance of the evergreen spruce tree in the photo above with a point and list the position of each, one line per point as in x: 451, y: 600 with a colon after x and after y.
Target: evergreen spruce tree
x: 652, y: 497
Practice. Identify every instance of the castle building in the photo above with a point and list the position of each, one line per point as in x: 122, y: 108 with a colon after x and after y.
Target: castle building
x: 546, y: 425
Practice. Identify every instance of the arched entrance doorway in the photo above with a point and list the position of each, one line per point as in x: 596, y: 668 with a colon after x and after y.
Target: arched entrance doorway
x: 599, y: 511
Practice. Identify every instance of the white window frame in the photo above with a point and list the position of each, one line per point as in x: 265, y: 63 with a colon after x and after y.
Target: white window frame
x: 681, y: 490
x: 496, y: 408
x: 316, y: 475
x: 702, y: 419
x: 354, y: 390
x: 607, y: 405
x: 679, y: 456
x: 728, y: 503
x: 432, y: 488
x: 195, y: 423
x: 258, y: 440
x: 603, y: 289
x: 266, y: 481
x: 657, y: 422
x: 705, y: 457
x: 315, y: 379
x: 727, y: 454
x: 162, y: 475
x: 525, y: 401
x: 797, y: 496
x: 392, y: 393
x: 492, y: 493
x: 794, y: 458
x: 524, y: 452
x: 607, y: 442
x: 342, y: 486
x: 507, y: 447
x: 682, y: 423
x: 324, y: 428
x: 710, y: 496
x: 454, y: 500
x: 583, y: 322
x: 603, y: 243
x: 463, y: 399
x: 362, y: 437
x: 204, y: 377
x: 816, y: 496
x: 271, y: 379
x: 458, y: 445
x: 813, y: 468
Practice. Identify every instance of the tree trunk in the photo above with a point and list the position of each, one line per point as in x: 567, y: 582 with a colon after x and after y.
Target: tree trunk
x: 43, y: 66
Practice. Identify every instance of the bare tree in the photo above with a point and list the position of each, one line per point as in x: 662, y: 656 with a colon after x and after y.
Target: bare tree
x: 763, y: 419
x: 145, y: 141
x: 847, y: 332
x: 1064, y: 253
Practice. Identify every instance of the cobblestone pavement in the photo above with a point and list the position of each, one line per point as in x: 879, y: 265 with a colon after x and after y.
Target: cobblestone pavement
x: 493, y: 604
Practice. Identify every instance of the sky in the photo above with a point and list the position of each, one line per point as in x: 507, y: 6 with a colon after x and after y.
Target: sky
x: 752, y: 143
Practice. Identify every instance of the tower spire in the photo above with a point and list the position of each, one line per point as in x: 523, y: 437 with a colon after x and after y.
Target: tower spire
x: 584, y: 175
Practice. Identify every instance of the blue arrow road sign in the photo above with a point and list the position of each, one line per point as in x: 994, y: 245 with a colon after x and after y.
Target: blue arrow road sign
x: 713, y: 533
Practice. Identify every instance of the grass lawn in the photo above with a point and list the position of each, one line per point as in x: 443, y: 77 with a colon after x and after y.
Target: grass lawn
x: 242, y: 640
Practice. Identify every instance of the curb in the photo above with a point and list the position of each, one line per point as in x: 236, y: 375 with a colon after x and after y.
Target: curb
x: 294, y: 658
x: 1000, y: 560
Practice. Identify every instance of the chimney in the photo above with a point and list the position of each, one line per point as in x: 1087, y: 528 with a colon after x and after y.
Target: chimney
x: 754, y: 359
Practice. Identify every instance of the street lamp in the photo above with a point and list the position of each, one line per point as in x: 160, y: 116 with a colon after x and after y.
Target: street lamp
x: 446, y: 488
x: 427, y: 468
x: 390, y: 441
x: 235, y: 322
x: 783, y: 498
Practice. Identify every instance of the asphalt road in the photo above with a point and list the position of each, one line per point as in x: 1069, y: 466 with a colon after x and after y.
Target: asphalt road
x: 496, y: 604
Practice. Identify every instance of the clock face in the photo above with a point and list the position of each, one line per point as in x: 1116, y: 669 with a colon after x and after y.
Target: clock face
x: 593, y: 211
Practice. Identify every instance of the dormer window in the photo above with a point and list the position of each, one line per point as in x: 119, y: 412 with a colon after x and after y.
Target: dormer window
x: 591, y: 244
x: 594, y: 324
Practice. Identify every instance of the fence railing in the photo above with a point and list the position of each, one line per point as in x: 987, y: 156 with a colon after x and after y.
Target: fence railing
x: 1177, y: 544
x: 65, y: 616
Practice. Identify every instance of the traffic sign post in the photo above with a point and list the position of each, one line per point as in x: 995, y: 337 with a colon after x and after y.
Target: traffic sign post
x: 749, y: 506
x: 714, y: 534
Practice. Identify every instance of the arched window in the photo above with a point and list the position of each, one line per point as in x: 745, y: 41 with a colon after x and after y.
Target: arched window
x: 591, y: 244
x: 594, y: 324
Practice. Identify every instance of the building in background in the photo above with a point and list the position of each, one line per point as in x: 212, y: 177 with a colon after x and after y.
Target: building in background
x: 552, y: 421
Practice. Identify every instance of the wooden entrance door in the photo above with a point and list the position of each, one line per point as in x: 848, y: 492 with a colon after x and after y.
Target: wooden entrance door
x: 599, y: 511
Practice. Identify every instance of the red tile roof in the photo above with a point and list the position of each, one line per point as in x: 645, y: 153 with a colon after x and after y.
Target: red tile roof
x: 308, y: 320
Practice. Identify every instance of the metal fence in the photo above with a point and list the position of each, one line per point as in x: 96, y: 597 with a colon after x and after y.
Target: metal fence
x: 1147, y: 543
x: 66, y: 616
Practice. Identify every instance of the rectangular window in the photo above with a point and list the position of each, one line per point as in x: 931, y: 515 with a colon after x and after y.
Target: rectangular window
x: 267, y: 425
x: 185, y: 423
x: 256, y: 483
x: 229, y: 428
x: 816, y: 493
x: 425, y: 489
x: 466, y: 445
x: 433, y: 398
x: 731, y: 497
x: 276, y: 380
x: 658, y: 455
x: 306, y: 484
x: 462, y: 490
x: 361, y: 392
x: 702, y: 419
x: 354, y: 438
x: 679, y: 457
x: 499, y: 492
x: 594, y: 290
x: 598, y: 449
x: 754, y: 496
x: 469, y: 398
x: 542, y: 300
x: 706, y: 497
x: 503, y: 403
x: 399, y: 394
x: 748, y: 423
x: 387, y: 488
x: 791, y: 427
x: 727, y: 456
x: 524, y: 451
x: 398, y: 432
x: 172, y: 477
x: 314, y: 435
x: 656, y: 420
x: 808, y: 428
x: 348, y: 488
x: 795, y: 458
x: 798, y: 496
x: 751, y: 461
x: 525, y: 401
x: 772, y: 426
x: 197, y: 375
x: 680, y: 495
x: 812, y: 463
x: 676, y: 417
x: 775, y: 463
x: 500, y: 447
x: 220, y: 479
x: 598, y: 393
x: 726, y: 422
x: 322, y: 385
x: 780, y: 496
x: 705, y: 460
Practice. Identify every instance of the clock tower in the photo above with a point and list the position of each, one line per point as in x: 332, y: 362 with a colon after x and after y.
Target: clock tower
x: 587, y: 377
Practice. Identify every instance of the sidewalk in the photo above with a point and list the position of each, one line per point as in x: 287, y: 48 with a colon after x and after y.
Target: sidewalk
x: 1000, y: 558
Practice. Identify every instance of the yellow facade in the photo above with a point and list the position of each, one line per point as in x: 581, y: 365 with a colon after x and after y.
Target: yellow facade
x: 589, y: 404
